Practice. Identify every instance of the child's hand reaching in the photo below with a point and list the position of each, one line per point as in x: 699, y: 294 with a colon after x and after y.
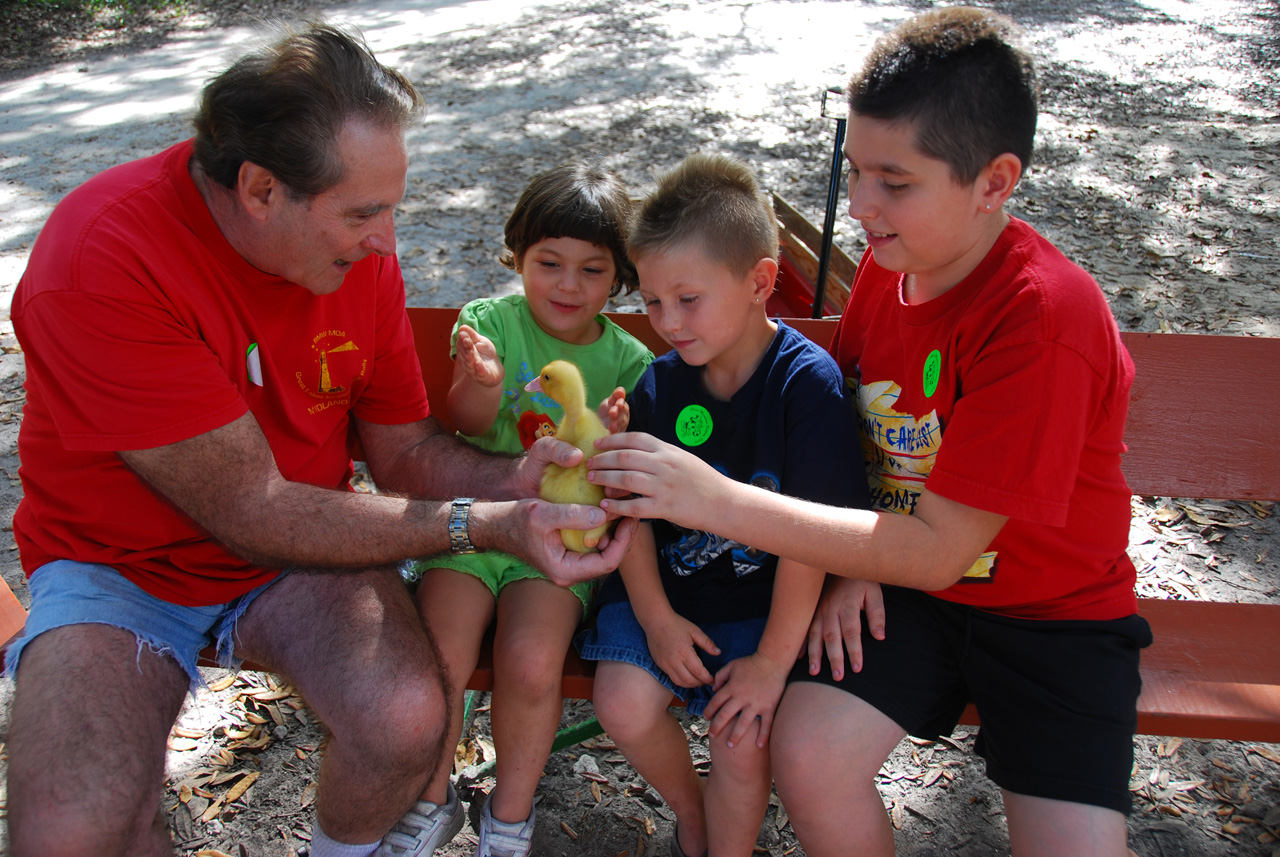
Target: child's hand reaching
x: 747, y: 689
x: 478, y: 357
x: 674, y: 646
x: 615, y: 412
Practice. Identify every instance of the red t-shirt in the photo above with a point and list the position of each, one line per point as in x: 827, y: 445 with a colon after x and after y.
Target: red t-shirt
x: 136, y: 317
x: 1008, y: 393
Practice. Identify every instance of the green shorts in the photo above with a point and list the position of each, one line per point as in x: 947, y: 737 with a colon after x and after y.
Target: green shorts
x: 495, y: 570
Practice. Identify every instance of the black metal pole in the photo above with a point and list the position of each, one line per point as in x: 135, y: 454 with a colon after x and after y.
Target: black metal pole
x: 829, y: 222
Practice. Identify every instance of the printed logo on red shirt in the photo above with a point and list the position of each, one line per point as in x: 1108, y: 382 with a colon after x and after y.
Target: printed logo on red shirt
x: 900, y: 451
x: 338, y: 365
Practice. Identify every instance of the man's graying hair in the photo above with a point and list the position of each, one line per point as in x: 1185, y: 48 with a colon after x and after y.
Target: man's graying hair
x: 281, y: 107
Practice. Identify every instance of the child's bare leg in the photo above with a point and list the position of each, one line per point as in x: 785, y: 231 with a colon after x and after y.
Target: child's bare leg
x: 737, y: 794
x: 456, y: 609
x: 1041, y: 827
x: 536, y: 621
x: 826, y: 747
x: 632, y: 707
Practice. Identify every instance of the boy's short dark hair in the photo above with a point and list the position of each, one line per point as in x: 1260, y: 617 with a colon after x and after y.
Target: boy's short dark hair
x: 282, y: 106
x: 712, y: 200
x: 574, y: 200
x: 957, y: 75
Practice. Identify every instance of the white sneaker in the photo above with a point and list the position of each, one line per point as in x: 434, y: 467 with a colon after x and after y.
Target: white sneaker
x: 500, y: 839
x: 424, y: 828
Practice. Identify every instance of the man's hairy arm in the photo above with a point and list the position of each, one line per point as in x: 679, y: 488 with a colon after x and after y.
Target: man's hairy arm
x: 423, y: 460
x: 227, y: 481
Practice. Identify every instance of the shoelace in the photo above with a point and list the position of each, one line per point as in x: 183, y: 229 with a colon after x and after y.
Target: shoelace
x: 404, y: 836
x: 505, y: 844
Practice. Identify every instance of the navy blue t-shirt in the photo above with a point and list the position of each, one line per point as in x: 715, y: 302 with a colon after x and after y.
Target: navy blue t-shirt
x: 790, y: 428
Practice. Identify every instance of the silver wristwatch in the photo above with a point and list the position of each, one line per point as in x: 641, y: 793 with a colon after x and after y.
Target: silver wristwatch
x: 459, y: 518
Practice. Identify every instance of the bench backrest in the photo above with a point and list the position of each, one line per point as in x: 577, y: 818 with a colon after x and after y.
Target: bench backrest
x: 1203, y: 412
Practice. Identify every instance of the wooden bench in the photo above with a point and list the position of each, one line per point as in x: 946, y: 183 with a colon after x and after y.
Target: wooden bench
x: 1202, y: 424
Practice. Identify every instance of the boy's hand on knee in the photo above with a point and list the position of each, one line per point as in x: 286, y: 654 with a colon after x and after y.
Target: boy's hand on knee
x: 837, y: 623
x: 747, y: 691
x: 674, y: 645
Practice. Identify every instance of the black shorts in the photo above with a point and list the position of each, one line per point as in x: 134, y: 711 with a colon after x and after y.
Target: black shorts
x: 1058, y: 699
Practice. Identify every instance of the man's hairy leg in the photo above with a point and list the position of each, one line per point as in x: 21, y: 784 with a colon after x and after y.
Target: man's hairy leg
x: 354, y: 646
x: 91, y: 714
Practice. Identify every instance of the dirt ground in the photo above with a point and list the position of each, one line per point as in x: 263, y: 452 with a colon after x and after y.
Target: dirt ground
x: 1157, y: 168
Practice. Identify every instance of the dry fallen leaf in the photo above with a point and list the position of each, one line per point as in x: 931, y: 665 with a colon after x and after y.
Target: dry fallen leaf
x: 568, y: 831
x: 182, y: 745
x: 308, y: 795
x: 222, y: 683
x: 212, y: 812
x: 236, y: 791
x: 1266, y: 753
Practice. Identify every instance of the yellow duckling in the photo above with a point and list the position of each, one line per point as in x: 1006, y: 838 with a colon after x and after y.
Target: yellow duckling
x: 562, y: 381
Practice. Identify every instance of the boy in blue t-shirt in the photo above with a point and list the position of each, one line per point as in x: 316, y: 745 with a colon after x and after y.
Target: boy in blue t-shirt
x: 712, y: 620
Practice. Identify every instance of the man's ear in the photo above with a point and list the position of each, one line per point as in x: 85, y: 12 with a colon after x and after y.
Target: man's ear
x: 763, y: 276
x: 257, y: 189
x: 998, y: 179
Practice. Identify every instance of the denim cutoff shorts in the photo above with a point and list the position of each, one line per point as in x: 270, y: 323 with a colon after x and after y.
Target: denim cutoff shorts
x: 65, y: 592
x: 618, y: 636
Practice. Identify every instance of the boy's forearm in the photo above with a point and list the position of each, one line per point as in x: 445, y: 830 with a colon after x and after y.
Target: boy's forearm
x: 928, y: 550
x: 639, y: 570
x: 796, y: 590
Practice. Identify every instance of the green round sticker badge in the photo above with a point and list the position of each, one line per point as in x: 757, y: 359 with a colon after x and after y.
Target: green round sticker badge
x: 932, y: 372
x: 693, y: 426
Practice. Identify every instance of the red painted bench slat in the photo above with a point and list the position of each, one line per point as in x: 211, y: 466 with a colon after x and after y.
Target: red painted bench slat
x: 1202, y: 424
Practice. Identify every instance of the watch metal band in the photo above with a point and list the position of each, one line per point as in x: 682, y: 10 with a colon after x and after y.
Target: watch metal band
x: 459, y: 518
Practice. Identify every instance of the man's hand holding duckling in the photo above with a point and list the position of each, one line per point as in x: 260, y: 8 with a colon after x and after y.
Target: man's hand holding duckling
x: 562, y: 566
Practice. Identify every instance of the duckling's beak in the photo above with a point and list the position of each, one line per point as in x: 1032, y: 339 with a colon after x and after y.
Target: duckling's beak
x: 534, y: 386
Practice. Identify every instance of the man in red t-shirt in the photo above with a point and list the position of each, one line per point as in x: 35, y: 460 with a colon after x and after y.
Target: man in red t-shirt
x: 207, y: 331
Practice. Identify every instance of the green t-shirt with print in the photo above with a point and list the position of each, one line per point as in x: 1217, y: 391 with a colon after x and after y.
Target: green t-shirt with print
x: 616, y: 359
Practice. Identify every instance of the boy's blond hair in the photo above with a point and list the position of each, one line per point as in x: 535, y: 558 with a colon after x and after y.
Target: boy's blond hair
x: 713, y: 201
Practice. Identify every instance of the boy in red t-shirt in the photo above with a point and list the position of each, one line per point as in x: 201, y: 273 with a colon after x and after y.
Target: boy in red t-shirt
x: 992, y: 392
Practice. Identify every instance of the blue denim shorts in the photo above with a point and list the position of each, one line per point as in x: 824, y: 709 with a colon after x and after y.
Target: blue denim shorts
x: 65, y: 592
x: 618, y: 636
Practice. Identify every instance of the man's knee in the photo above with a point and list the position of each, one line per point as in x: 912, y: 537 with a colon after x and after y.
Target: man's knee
x: 84, y: 823
x: 404, y: 722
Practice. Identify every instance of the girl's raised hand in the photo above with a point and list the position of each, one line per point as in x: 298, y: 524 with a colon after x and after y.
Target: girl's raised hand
x: 614, y: 411
x: 478, y: 357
